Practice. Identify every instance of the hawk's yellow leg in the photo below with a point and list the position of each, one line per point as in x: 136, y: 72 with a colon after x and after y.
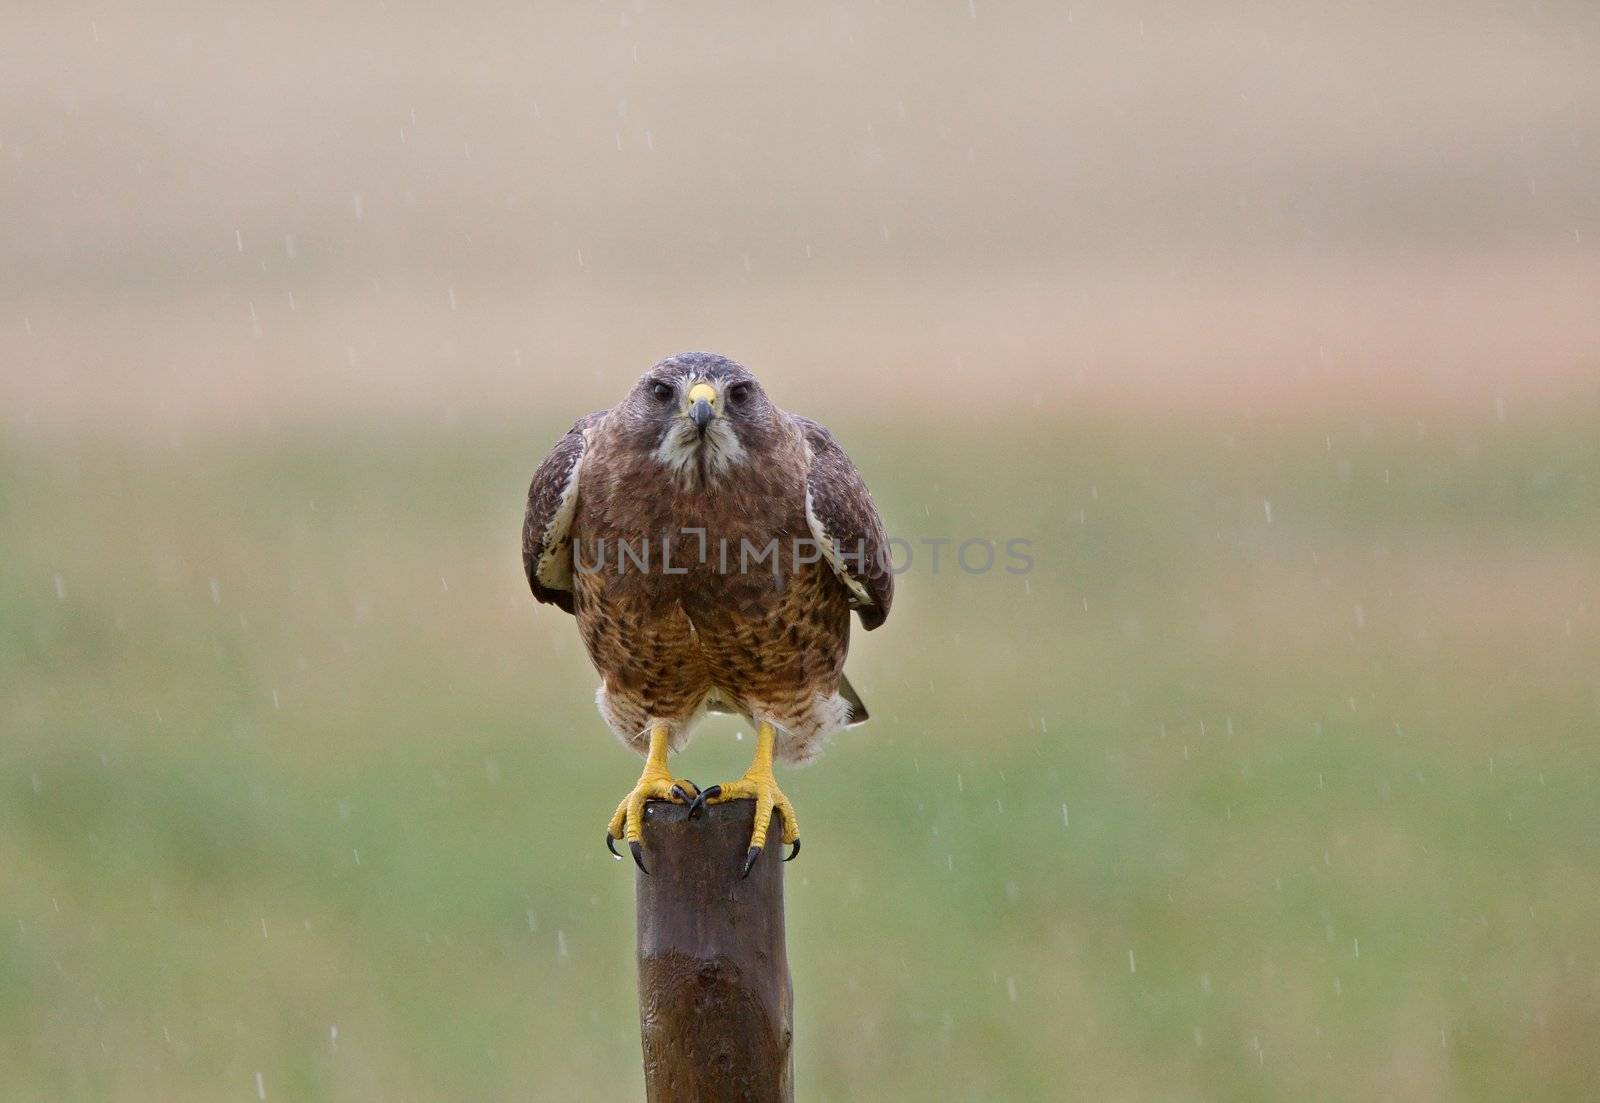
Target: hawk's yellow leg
x: 758, y: 785
x: 655, y: 783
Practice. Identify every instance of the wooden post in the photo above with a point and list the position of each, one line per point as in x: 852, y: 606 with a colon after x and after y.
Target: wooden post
x: 716, y: 1010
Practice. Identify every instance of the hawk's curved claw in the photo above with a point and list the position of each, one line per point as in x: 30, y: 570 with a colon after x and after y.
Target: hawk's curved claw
x: 698, y: 805
x: 758, y: 785
x: 655, y: 783
x: 755, y: 853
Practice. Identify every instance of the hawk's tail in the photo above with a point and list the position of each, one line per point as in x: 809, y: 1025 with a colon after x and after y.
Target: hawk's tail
x: 858, y: 707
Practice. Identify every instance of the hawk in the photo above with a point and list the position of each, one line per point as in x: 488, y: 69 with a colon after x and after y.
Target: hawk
x: 711, y: 548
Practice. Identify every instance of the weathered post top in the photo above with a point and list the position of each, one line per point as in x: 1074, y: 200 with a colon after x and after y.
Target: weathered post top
x: 716, y: 1010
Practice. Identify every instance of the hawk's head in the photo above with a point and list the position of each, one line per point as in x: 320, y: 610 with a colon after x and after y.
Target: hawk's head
x: 701, y: 415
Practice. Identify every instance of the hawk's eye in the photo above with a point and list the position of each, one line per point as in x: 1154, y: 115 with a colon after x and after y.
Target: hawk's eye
x: 739, y: 392
x: 662, y: 392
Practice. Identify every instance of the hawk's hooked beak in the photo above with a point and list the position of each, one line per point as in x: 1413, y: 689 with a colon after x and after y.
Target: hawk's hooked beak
x: 701, y: 397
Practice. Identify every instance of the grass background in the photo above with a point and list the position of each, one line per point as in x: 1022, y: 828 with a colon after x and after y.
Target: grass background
x: 299, y: 782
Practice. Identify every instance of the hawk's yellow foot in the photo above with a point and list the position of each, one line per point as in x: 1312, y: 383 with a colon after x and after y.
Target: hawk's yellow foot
x: 758, y: 785
x: 655, y: 783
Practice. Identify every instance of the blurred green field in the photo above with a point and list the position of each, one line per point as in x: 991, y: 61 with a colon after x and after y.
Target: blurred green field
x: 1276, y: 779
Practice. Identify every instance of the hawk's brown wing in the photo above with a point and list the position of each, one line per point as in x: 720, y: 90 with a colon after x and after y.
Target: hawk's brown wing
x: 552, y: 500
x: 846, y: 523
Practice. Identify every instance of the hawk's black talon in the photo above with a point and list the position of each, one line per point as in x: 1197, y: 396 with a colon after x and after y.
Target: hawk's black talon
x: 638, y: 860
x: 699, y: 802
x: 677, y: 791
x: 611, y: 848
x: 750, y: 862
x: 795, y: 852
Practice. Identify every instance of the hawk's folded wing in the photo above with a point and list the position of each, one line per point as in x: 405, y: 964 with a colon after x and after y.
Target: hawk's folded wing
x: 846, y: 523
x: 546, y: 529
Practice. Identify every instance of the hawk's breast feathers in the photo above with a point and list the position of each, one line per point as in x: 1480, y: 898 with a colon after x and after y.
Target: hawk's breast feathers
x: 838, y: 508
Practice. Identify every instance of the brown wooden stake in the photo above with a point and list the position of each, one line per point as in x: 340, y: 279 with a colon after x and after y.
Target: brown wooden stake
x: 716, y: 1009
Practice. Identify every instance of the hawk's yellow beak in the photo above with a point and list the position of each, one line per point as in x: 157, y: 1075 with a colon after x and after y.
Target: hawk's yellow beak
x: 702, y: 397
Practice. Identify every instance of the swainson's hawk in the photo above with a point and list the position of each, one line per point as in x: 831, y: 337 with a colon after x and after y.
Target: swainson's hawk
x: 711, y: 547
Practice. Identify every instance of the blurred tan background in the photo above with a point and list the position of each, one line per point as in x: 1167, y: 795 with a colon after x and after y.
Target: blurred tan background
x: 1272, y: 326
x: 220, y: 214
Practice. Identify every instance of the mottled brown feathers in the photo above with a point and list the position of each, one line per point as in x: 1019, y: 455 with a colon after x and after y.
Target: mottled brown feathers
x: 546, y: 544
x: 842, y: 505
x: 700, y: 619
